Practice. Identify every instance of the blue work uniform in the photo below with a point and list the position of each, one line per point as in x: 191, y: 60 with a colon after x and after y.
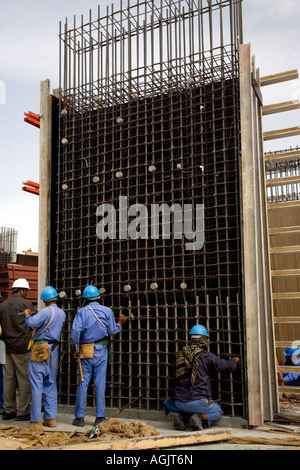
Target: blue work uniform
x: 290, y: 378
x: 43, y: 374
x: 86, y: 329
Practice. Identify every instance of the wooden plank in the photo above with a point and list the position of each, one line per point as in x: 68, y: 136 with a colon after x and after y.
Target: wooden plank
x: 144, y: 443
x: 282, y: 295
x: 286, y: 272
x: 287, y: 319
x: 282, y: 156
x: 280, y: 230
x: 279, y: 77
x: 280, y: 107
x: 293, y: 369
x: 282, y: 133
x: 283, y: 205
x: 285, y: 249
x: 286, y: 389
x: 284, y: 344
x: 282, y: 181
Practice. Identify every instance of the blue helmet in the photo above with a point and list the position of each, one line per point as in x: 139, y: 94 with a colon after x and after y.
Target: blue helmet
x: 291, y: 351
x: 199, y: 330
x: 91, y: 293
x: 49, y: 293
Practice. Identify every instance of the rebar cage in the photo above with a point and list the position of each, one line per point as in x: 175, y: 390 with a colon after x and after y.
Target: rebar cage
x: 149, y: 112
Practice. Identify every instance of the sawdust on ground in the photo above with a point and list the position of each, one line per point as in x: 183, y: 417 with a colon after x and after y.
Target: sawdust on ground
x: 111, y: 430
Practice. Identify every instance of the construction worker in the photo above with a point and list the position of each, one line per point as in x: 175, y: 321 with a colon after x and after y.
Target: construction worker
x: 92, y: 326
x: 191, y: 403
x: 44, y: 359
x: 16, y: 336
x: 292, y: 359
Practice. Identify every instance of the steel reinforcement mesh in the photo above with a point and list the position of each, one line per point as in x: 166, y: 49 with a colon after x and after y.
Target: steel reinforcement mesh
x: 146, y: 113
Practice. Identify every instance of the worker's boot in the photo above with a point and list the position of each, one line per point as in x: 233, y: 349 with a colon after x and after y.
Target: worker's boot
x: 98, y: 421
x: 50, y: 423
x: 79, y: 422
x: 195, y: 422
x: 204, y: 418
x: 178, y: 421
x: 36, y: 426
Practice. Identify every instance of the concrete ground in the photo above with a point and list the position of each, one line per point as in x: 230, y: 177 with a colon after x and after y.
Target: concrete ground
x: 233, y: 427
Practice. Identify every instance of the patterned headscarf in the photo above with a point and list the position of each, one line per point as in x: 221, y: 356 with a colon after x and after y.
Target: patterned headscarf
x: 187, y: 358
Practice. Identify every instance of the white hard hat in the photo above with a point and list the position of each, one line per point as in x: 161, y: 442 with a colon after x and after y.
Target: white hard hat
x: 21, y: 284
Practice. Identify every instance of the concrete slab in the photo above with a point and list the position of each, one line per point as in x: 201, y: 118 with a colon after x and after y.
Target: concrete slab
x: 218, y: 437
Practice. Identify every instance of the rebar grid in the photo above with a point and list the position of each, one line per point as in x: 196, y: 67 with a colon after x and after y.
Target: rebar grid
x: 8, y: 245
x: 159, y: 127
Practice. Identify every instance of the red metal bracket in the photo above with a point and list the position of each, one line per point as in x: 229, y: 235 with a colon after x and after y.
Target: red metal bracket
x: 32, y: 118
x: 31, y: 187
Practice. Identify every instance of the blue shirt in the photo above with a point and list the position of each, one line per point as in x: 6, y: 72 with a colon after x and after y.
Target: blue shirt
x: 291, y: 378
x: 39, y: 321
x: 87, y: 329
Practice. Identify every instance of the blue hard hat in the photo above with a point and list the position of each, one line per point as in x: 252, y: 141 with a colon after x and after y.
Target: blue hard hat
x: 199, y: 330
x: 291, y: 351
x: 49, y: 293
x: 91, y: 292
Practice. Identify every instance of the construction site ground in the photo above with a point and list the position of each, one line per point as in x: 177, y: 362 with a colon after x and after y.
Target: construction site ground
x: 233, y: 434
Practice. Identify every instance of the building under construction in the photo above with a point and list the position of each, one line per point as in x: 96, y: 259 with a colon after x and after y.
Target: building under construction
x: 153, y: 107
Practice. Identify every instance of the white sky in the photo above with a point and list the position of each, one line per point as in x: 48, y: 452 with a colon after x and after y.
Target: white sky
x: 29, y: 54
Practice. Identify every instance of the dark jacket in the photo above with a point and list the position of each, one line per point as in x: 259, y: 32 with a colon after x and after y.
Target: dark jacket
x: 207, y: 364
x: 15, y: 334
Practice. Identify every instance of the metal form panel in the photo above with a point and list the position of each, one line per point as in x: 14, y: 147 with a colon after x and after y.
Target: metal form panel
x: 10, y: 272
x: 148, y: 114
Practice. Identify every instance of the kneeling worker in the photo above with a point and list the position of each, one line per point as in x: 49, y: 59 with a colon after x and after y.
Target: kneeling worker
x: 43, y: 363
x: 89, y: 334
x: 194, y: 366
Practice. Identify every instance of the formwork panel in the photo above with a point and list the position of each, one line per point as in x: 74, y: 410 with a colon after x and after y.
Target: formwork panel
x: 160, y: 126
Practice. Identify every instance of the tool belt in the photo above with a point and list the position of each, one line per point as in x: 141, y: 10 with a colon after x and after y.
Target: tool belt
x: 86, y: 351
x: 40, y: 352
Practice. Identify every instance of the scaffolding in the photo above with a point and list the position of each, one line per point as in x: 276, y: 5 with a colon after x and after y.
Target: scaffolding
x: 283, y: 177
x: 8, y: 245
x: 149, y: 110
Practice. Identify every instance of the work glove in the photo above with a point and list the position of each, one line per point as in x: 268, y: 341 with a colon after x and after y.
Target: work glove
x: 122, y: 319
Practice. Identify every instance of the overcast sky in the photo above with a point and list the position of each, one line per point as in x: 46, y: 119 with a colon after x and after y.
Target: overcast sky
x: 29, y: 54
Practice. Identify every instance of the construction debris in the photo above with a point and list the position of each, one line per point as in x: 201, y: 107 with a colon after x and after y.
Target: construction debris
x: 29, y: 438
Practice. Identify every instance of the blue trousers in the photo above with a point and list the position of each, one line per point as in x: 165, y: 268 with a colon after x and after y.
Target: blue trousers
x: 213, y: 410
x: 1, y: 386
x: 42, y: 377
x: 97, y: 366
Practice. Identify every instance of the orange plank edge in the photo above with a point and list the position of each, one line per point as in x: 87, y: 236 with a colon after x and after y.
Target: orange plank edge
x: 32, y: 118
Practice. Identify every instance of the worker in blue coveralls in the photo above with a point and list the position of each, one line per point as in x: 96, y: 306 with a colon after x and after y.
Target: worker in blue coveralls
x: 191, y: 404
x: 292, y: 359
x: 43, y: 363
x: 92, y: 326
x: 1, y: 379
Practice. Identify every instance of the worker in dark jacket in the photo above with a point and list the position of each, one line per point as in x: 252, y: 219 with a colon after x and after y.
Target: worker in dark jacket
x: 192, y: 394
x: 92, y: 326
x: 16, y: 336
